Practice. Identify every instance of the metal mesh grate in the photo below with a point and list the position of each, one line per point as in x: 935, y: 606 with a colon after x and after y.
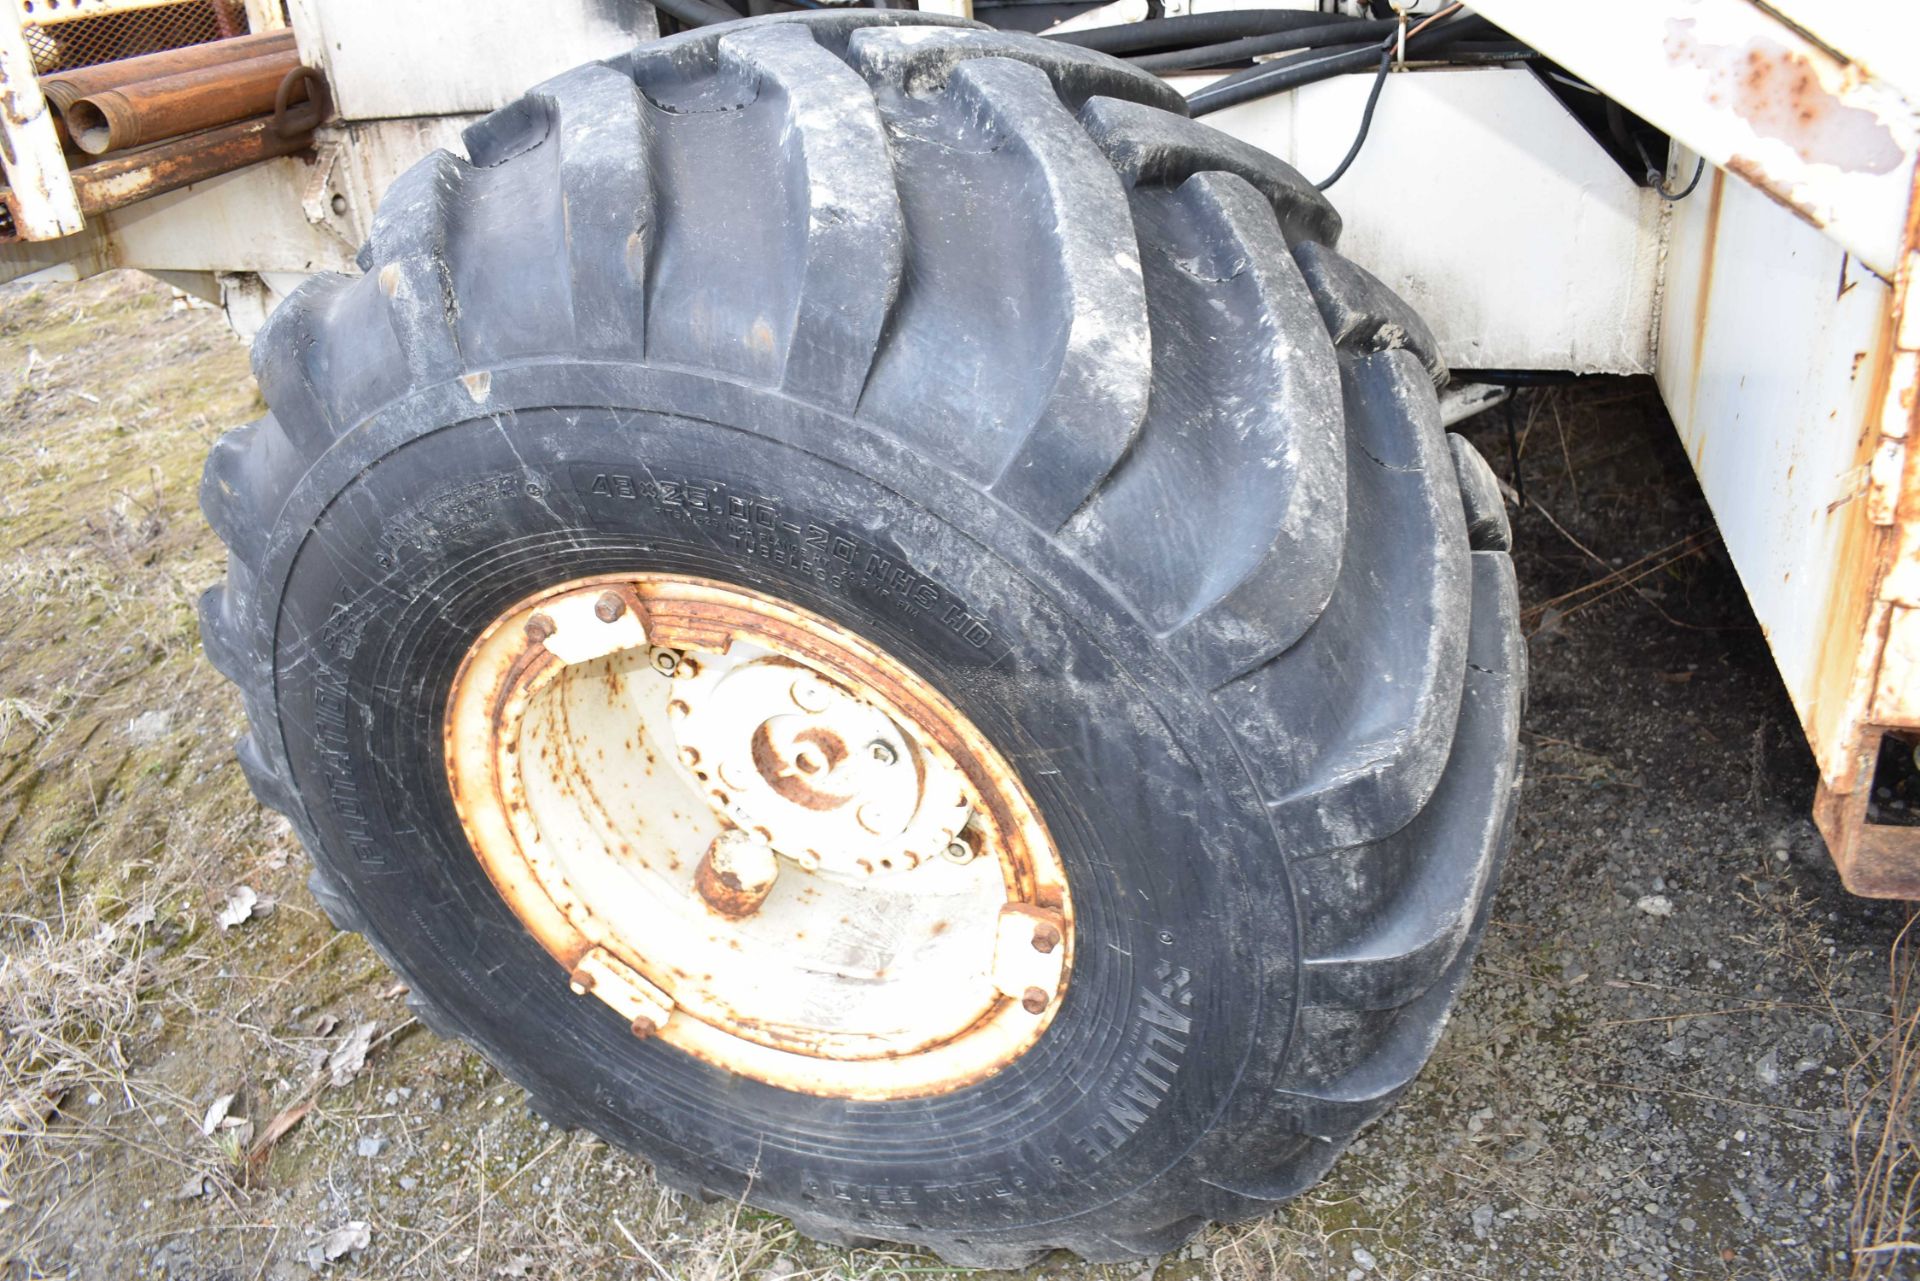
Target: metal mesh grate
x: 60, y: 42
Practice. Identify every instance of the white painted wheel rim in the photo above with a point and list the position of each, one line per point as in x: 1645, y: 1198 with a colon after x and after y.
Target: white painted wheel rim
x: 791, y: 857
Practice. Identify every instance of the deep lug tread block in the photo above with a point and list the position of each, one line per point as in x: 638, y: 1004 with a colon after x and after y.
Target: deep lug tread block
x: 845, y: 223
x: 1351, y: 727
x: 1362, y: 314
x: 269, y: 787
x: 223, y: 648
x: 1098, y: 398
x: 287, y: 382
x: 1246, y: 410
x: 1155, y: 149
x: 1487, y: 527
x: 1403, y: 922
x: 338, y: 907
x: 410, y: 265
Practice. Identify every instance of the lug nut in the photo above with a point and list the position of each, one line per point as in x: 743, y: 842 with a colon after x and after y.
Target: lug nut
x: 581, y: 981
x: 539, y: 627
x: 882, y: 752
x: 609, y: 607
x: 1045, y: 938
x: 665, y: 661
x: 736, y: 874
x: 1035, y: 1000
x: 961, y: 852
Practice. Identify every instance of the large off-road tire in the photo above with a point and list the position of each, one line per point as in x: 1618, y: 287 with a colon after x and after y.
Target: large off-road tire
x: 973, y: 346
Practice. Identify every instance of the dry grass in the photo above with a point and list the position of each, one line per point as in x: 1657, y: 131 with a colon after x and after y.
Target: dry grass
x: 1886, y: 1160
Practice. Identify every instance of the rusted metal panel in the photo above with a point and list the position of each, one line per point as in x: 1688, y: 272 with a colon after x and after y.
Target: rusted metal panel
x: 45, y: 206
x: 1793, y: 377
x: 1801, y: 121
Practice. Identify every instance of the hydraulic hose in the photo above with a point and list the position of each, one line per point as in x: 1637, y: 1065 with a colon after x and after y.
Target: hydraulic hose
x: 696, y: 13
x: 1232, y: 51
x: 1194, y: 28
x: 1309, y: 68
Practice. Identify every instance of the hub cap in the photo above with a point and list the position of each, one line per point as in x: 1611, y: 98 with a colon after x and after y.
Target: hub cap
x: 758, y: 837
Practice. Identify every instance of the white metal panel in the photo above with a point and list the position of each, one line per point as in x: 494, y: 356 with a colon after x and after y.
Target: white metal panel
x: 1773, y: 356
x: 388, y: 59
x: 1486, y: 205
x: 1753, y: 95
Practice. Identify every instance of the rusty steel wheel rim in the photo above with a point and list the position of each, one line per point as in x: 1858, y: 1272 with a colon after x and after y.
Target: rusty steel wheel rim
x: 758, y: 837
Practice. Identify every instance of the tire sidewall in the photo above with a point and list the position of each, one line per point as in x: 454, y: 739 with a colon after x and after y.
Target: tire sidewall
x: 418, y: 529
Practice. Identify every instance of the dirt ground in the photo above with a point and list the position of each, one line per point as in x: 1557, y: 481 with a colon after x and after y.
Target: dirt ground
x: 1675, y: 1057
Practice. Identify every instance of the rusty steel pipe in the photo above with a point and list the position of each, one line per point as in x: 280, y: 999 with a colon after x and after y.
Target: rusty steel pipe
x: 155, y: 110
x: 119, y: 181
x: 67, y: 87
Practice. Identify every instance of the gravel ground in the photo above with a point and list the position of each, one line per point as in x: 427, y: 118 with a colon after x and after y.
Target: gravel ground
x: 1676, y: 1021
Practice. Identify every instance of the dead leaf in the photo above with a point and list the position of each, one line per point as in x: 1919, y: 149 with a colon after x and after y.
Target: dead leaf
x: 324, y: 1025
x: 195, y: 1186
x: 519, y: 1265
x: 398, y: 989
x: 277, y: 858
x: 277, y: 1129
x: 351, y: 1054
x: 217, y: 1112
x: 339, y: 1243
x: 238, y: 908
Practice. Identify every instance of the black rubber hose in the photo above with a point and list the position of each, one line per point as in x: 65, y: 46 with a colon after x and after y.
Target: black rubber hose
x: 696, y: 13
x: 1269, y: 78
x: 1192, y: 29
x: 1366, y: 122
x: 1305, y: 69
x: 1221, y: 55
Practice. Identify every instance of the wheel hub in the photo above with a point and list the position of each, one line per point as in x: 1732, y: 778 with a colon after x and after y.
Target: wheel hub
x: 758, y: 837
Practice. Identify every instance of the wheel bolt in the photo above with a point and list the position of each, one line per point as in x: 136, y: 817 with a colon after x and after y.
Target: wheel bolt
x: 961, y: 852
x: 1045, y: 938
x: 882, y: 752
x: 539, y: 627
x: 609, y: 607
x: 1035, y: 1000
x: 665, y: 661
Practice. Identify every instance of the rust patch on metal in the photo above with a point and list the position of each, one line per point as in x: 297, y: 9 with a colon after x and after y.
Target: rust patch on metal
x: 1781, y: 94
x: 1875, y: 860
x: 1767, y: 185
